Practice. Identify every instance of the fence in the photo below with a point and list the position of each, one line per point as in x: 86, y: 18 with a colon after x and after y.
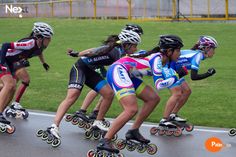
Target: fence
x: 124, y: 9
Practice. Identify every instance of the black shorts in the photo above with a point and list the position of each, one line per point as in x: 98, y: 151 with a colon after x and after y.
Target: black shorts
x: 81, y: 74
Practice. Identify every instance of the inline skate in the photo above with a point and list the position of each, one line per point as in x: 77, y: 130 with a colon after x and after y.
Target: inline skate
x: 104, y: 149
x: 166, y: 128
x: 79, y: 118
x: 97, y: 131
x: 16, y: 111
x: 50, y: 135
x: 180, y: 122
x: 134, y: 140
x: 5, y: 126
x: 232, y: 132
x: 93, y: 116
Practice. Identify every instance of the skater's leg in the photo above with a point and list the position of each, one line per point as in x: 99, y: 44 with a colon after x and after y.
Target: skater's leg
x: 9, y: 85
x: 130, y: 106
x: 186, y: 92
x: 89, y: 99
x: 72, y: 96
x: 175, y: 95
x: 107, y: 94
x: 151, y: 99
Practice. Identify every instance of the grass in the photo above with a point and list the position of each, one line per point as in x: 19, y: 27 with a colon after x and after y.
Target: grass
x: 212, y: 102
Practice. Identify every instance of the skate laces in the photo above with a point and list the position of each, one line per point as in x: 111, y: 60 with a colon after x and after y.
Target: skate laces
x: 100, y: 125
x: 16, y: 106
x: 177, y: 118
x: 55, y: 130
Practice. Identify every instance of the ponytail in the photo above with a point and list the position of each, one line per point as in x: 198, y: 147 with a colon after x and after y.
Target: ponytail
x: 195, y: 47
x: 154, y: 50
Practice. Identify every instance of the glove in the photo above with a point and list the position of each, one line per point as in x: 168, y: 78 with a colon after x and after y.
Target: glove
x: 211, y: 71
x: 46, y: 66
x: 182, y: 71
x: 72, y: 53
x: 3, y: 68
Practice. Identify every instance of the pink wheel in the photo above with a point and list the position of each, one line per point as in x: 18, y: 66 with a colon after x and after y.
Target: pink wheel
x: 153, y: 130
x: 90, y: 153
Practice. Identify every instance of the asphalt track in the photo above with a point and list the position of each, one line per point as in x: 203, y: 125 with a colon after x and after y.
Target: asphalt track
x: 24, y: 143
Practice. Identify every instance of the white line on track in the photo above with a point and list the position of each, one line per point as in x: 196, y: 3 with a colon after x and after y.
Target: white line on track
x: 146, y: 125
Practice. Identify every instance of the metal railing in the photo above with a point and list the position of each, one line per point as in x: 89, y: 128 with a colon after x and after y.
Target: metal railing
x: 124, y: 9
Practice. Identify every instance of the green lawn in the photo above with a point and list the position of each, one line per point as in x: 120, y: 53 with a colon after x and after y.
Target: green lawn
x: 213, y: 100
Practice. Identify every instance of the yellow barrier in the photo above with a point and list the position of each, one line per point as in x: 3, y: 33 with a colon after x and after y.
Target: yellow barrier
x: 126, y: 9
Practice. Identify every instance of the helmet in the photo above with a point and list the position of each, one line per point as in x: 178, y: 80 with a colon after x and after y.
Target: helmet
x: 135, y: 28
x: 129, y: 36
x: 43, y: 29
x: 170, y: 41
x: 207, y: 41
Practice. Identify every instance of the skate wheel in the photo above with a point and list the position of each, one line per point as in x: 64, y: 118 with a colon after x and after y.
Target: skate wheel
x: 161, y: 132
x: 91, y: 153
x: 45, y: 136
x: 56, y: 142
x: 50, y: 139
x: 152, y: 149
x: 169, y: 132
x: 75, y: 121
x: 39, y: 133
x: 3, y: 129
x: 141, y: 148
x: 7, y: 113
x: 120, y: 144
x: 88, y: 134
x: 96, y: 135
x: 11, y: 129
x: 81, y: 124
x: 232, y: 132
x: 120, y: 155
x: 178, y: 132
x: 130, y: 147
x: 25, y: 115
x: 114, y: 138
x: 68, y: 118
x: 153, y: 130
x: 189, y: 128
x: 87, y: 126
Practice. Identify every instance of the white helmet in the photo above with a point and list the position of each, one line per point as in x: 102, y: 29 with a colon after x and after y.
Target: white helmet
x: 43, y: 29
x: 207, y: 41
x: 129, y: 36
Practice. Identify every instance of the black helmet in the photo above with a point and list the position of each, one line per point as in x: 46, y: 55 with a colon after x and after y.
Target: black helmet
x: 170, y: 41
x: 134, y: 27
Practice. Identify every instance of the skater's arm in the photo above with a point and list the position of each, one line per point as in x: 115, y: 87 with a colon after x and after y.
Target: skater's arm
x: 196, y: 76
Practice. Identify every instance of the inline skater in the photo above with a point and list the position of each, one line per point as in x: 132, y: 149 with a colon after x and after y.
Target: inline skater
x: 81, y: 114
x: 190, y: 60
x: 128, y: 89
x: 83, y: 72
x: 16, y: 53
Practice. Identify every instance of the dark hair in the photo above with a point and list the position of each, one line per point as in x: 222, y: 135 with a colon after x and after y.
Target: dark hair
x: 195, y: 47
x: 32, y: 35
x: 111, y: 40
x: 154, y: 50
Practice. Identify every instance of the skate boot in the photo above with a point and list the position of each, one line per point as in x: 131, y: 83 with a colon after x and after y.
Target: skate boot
x: 79, y: 118
x: 134, y: 140
x: 232, y: 132
x: 5, y: 125
x: 166, y: 128
x: 98, y: 130
x: 104, y: 149
x: 180, y: 122
x: 16, y: 111
x: 50, y: 135
x: 93, y: 116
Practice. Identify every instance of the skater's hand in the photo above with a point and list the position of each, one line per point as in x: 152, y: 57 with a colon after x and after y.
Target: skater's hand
x: 46, y: 66
x: 72, y: 53
x: 211, y: 71
x: 3, y: 68
x: 182, y: 71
